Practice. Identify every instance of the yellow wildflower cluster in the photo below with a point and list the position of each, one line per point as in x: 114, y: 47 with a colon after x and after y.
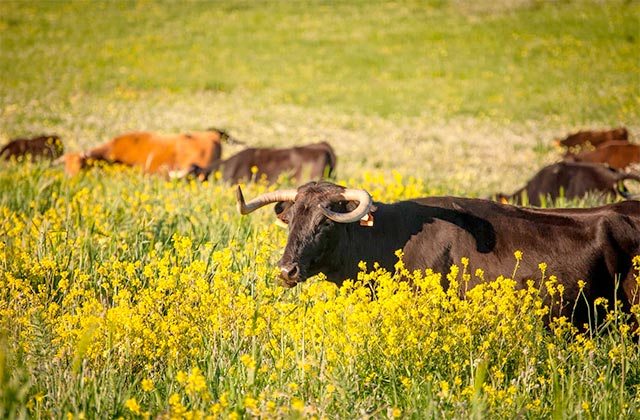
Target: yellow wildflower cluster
x: 140, y: 297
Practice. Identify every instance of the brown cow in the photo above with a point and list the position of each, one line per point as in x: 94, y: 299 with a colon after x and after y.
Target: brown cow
x: 595, y: 138
x: 154, y: 153
x: 331, y: 230
x: 312, y: 161
x: 570, y: 180
x: 616, y: 154
x: 45, y: 146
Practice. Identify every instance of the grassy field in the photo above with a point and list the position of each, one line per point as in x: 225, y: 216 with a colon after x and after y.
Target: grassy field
x: 448, y: 79
x: 519, y: 60
x: 126, y: 295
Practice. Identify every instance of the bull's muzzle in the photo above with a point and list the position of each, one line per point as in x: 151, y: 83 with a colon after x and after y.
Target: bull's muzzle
x: 290, y: 274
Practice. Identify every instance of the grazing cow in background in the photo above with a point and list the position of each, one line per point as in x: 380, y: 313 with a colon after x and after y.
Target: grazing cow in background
x: 45, y: 146
x: 154, y: 153
x: 332, y: 229
x: 570, y: 180
x: 313, y: 161
x: 595, y: 138
x: 616, y: 154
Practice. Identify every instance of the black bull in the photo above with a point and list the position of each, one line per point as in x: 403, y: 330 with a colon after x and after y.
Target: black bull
x: 596, y: 245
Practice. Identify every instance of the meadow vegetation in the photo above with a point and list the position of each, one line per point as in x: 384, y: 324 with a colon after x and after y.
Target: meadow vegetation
x: 119, y: 296
x: 128, y: 295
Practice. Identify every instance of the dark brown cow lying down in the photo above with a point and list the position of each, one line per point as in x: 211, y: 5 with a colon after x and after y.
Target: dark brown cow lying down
x: 570, y: 180
x: 595, y: 245
x: 45, y: 146
x: 595, y: 138
x: 617, y: 154
x: 170, y: 154
x: 312, y: 161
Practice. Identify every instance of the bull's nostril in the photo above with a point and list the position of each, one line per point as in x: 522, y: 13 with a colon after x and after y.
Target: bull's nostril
x: 290, y: 272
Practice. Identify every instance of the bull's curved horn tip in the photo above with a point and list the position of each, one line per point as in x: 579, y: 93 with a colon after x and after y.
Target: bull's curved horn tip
x: 240, y: 203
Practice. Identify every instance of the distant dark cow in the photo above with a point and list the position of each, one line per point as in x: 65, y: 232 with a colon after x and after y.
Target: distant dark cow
x: 49, y: 147
x: 595, y: 138
x: 617, y: 154
x: 571, y: 180
x: 169, y: 154
x: 313, y: 161
x: 331, y: 230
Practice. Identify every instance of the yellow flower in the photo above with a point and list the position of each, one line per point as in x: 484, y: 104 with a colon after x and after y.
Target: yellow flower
x: 297, y: 404
x: 132, y: 405
x: 174, y: 399
x: 181, y: 377
x: 248, y: 361
x: 250, y: 403
x: 196, y: 382
x: 147, y: 385
x: 444, y: 389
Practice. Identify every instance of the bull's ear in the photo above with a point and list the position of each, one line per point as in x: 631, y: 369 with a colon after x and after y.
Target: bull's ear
x: 281, y: 208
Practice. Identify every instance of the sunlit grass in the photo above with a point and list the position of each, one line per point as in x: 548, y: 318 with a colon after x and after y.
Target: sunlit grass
x: 513, y: 61
x: 127, y: 295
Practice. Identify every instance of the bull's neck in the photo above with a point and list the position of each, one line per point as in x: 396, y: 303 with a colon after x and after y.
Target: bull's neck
x: 390, y: 231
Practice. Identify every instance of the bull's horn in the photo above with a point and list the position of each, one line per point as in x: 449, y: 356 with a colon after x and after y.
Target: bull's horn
x: 361, y: 196
x: 263, y: 200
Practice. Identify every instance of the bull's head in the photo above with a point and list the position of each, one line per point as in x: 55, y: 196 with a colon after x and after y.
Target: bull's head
x: 317, y: 215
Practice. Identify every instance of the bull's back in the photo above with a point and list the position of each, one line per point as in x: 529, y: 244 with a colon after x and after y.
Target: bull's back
x: 43, y: 146
x: 489, y: 233
x: 595, y: 138
x: 596, y: 179
x: 275, y: 162
x: 568, y: 179
x: 624, y: 155
x: 146, y: 150
x: 617, y: 154
x: 197, y: 148
x: 238, y: 167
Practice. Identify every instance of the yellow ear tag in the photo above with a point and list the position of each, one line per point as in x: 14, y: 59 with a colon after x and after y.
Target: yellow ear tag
x: 367, y: 220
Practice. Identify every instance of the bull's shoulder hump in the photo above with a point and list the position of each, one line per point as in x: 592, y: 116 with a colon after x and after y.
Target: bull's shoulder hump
x: 475, y: 209
x: 456, y: 203
x: 630, y: 207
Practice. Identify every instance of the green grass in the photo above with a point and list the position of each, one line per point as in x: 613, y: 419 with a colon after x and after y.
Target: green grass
x: 520, y: 60
x: 464, y: 95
